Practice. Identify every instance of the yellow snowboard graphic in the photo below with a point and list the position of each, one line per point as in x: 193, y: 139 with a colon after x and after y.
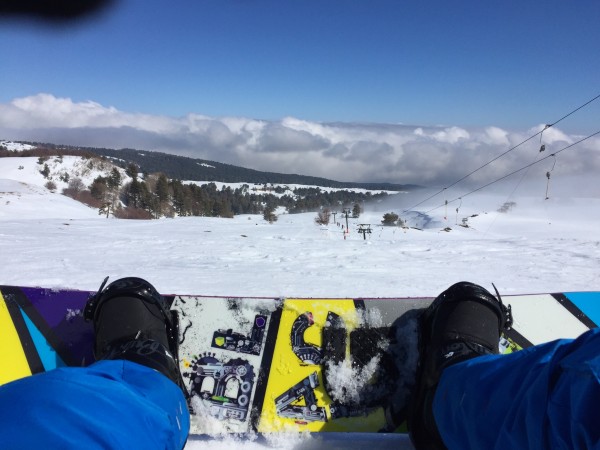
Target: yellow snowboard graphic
x: 11, y: 351
x: 296, y: 398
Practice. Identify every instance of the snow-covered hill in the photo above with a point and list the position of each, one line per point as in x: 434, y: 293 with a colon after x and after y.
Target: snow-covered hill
x: 23, y: 191
x: 15, y: 146
x: 56, y: 172
x: 19, y: 200
x: 538, y: 246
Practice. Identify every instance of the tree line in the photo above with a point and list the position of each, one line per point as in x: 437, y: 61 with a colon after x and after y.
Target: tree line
x: 155, y: 196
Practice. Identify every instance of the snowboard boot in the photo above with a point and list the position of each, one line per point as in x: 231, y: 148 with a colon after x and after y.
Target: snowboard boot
x: 463, y: 322
x: 132, y: 322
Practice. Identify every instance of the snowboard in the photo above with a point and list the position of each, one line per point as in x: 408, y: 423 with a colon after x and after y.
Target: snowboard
x: 270, y: 365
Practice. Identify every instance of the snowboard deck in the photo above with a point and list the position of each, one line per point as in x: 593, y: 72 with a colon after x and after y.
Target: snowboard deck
x: 264, y: 365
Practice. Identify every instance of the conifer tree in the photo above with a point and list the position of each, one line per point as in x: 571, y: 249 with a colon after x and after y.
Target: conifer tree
x: 390, y: 219
x: 269, y: 215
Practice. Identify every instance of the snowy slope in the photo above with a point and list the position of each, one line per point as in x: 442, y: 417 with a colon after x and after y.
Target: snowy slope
x: 538, y: 246
x: 20, y: 200
x: 15, y: 146
x: 23, y: 193
x: 27, y: 169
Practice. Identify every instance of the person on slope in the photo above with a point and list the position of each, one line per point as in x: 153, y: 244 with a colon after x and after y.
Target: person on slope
x: 132, y: 397
x: 470, y: 397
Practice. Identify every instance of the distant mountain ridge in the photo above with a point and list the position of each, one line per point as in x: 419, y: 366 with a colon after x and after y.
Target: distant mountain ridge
x: 195, y: 169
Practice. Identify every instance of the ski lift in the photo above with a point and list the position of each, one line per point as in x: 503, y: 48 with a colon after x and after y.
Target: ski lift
x: 548, y: 175
x: 457, y: 208
x: 543, y: 146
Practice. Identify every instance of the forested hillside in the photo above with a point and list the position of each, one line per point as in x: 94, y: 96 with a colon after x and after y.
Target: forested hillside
x: 184, y: 168
x: 122, y: 189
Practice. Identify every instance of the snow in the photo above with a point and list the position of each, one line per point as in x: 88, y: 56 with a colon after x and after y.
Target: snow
x: 55, y: 241
x: 19, y: 199
x: 15, y: 146
x: 27, y: 170
x: 259, y: 188
x: 540, y: 245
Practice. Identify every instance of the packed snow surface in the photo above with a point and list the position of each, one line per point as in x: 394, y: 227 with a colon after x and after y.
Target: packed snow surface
x: 538, y: 245
x: 54, y: 241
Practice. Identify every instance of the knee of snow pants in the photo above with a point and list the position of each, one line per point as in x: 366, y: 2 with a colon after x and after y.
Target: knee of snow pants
x: 109, y: 405
x: 543, y: 397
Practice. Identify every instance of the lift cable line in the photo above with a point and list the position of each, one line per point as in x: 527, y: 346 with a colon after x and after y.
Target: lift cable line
x: 539, y: 133
x: 552, y: 155
x: 548, y: 175
x: 535, y: 161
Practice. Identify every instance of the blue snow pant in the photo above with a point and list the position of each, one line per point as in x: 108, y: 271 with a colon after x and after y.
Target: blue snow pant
x: 108, y: 405
x: 543, y: 397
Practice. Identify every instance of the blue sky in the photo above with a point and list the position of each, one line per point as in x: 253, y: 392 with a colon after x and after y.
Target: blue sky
x: 505, y: 63
x: 469, y: 64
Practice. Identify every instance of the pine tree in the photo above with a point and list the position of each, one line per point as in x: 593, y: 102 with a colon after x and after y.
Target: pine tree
x: 45, y: 171
x: 269, y: 215
x: 132, y: 171
x: 162, y: 194
x: 390, y: 219
x: 114, y: 179
x: 98, y: 188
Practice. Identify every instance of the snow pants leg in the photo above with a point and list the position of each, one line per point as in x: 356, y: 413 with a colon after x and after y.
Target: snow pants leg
x: 108, y: 405
x: 544, y: 397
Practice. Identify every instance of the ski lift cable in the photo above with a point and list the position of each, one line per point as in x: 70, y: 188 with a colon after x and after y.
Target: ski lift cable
x: 518, y: 170
x: 523, y: 175
x: 539, y: 133
x: 473, y: 172
x: 575, y: 110
x: 535, y: 161
x: 552, y: 155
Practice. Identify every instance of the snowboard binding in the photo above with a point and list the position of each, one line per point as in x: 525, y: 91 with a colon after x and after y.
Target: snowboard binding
x: 462, y: 323
x: 132, y: 321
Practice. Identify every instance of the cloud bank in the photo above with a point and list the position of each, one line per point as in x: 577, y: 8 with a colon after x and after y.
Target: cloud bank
x: 425, y: 155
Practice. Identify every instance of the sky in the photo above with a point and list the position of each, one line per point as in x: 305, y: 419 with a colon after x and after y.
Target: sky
x: 336, y: 88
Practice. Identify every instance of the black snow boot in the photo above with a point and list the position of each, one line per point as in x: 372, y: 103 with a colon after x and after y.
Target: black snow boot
x: 463, y: 322
x: 132, y: 321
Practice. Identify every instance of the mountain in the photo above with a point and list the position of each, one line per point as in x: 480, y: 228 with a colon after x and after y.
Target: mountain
x: 194, y: 169
x: 113, y: 186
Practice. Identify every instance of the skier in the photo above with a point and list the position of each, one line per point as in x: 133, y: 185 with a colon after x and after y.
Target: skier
x: 132, y: 397
x: 470, y: 397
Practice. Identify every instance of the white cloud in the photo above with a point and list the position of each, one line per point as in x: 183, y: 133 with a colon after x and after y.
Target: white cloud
x: 495, y: 136
x: 451, y: 135
x: 341, y: 151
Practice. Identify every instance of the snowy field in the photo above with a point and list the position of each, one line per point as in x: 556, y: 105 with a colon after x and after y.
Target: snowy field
x: 246, y: 256
x: 539, y: 245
